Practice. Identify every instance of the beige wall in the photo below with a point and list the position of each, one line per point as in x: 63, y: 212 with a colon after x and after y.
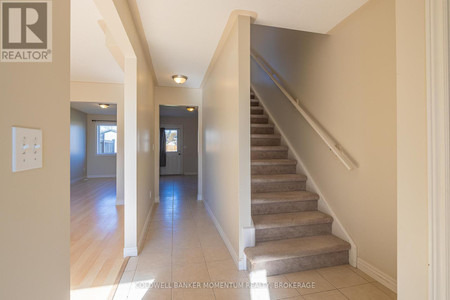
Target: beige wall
x: 106, y: 93
x: 78, y: 139
x: 346, y: 80
x: 412, y: 172
x: 99, y: 165
x: 226, y: 131
x: 190, y: 140
x: 34, y: 205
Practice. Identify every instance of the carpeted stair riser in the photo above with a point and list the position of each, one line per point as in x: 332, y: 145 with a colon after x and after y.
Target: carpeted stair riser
x: 265, y: 187
x: 262, y: 129
x: 256, y: 110
x: 254, y: 102
x: 275, y: 141
x: 274, y: 169
x: 283, y: 207
x: 298, y: 264
x: 281, y: 233
x: 270, y: 154
x: 259, y: 119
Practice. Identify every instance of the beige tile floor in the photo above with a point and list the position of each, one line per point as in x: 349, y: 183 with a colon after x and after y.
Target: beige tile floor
x: 183, y: 246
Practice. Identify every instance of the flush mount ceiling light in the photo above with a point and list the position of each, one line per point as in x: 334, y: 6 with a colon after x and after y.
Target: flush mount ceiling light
x: 180, y: 79
x: 191, y: 109
x: 103, y: 106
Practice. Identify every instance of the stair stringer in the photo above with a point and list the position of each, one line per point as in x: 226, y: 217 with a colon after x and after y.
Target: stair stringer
x: 337, y: 228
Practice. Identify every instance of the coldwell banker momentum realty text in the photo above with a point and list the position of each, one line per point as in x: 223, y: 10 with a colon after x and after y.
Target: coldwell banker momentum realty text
x: 26, y: 31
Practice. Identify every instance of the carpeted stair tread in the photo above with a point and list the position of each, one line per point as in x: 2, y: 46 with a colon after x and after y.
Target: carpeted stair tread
x: 290, y: 219
x: 271, y: 162
x: 295, y: 248
x: 269, y: 148
x: 293, y: 196
x: 265, y: 136
x: 278, y: 178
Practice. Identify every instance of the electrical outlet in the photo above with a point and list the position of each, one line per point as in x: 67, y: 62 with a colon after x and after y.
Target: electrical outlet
x: 27, y: 149
x: 150, y: 195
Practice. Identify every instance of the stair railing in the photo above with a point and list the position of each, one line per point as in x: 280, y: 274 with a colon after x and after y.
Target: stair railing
x: 331, y: 143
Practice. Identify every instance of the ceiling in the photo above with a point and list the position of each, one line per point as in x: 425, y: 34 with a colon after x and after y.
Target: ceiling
x: 183, y: 35
x: 176, y: 111
x: 93, y: 108
x: 90, y: 59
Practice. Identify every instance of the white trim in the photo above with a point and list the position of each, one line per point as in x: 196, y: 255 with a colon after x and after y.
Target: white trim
x: 101, y: 176
x: 241, y: 264
x: 145, y: 228
x: 199, y: 197
x: 132, y: 251
x: 337, y: 229
x: 438, y: 148
x: 378, y: 275
x: 157, y: 199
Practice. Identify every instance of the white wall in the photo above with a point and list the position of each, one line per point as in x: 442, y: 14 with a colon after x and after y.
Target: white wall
x: 178, y: 97
x: 412, y: 181
x: 78, y: 138
x: 346, y: 80
x: 34, y: 205
x: 226, y: 131
x: 99, y: 166
x: 190, y: 140
x: 106, y: 93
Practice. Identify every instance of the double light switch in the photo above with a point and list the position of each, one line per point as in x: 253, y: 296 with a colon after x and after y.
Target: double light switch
x: 27, y: 149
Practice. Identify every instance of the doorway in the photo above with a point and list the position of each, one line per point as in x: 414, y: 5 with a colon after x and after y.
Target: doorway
x: 178, y: 141
x: 172, y: 141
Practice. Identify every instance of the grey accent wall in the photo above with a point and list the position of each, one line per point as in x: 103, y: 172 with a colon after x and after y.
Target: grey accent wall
x: 78, y: 134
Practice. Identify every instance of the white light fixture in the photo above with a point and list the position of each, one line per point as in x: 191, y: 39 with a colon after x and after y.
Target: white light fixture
x: 190, y: 109
x: 104, y: 106
x: 180, y: 79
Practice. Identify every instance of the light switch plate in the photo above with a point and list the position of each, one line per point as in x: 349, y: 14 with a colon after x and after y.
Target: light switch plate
x: 27, y: 149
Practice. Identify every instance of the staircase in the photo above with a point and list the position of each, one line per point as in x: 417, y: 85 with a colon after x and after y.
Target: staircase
x: 291, y: 234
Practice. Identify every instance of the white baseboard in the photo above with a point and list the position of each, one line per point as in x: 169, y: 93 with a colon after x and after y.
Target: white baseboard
x: 76, y: 180
x: 199, y: 197
x: 378, y: 275
x: 131, y: 251
x: 102, y: 176
x: 337, y: 228
x: 240, y: 264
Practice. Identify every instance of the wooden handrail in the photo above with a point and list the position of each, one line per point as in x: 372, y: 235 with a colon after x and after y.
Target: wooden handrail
x: 329, y: 141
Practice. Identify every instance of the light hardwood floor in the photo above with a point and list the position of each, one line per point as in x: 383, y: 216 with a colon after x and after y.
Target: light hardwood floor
x: 96, y: 239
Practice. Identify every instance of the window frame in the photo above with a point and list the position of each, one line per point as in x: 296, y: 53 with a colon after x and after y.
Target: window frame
x: 97, y: 125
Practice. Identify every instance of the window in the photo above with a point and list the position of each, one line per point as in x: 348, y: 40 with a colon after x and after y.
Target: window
x: 171, y: 140
x: 106, y: 139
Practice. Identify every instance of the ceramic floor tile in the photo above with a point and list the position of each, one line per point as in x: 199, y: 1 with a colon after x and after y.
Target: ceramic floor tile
x: 184, y: 256
x: 310, y: 281
x: 226, y: 270
x: 149, y: 260
x: 341, y: 276
x: 232, y: 294
x: 330, y: 295
x: 193, y: 294
x: 190, y: 273
x: 388, y: 292
x: 216, y: 253
x: 279, y: 287
x: 364, y: 292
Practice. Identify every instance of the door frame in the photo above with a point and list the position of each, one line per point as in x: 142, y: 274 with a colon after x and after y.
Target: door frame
x: 179, y: 127
x: 175, y: 102
x: 437, y: 22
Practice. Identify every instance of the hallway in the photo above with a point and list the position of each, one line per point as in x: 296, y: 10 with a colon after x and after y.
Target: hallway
x: 96, y: 239
x: 183, y: 246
